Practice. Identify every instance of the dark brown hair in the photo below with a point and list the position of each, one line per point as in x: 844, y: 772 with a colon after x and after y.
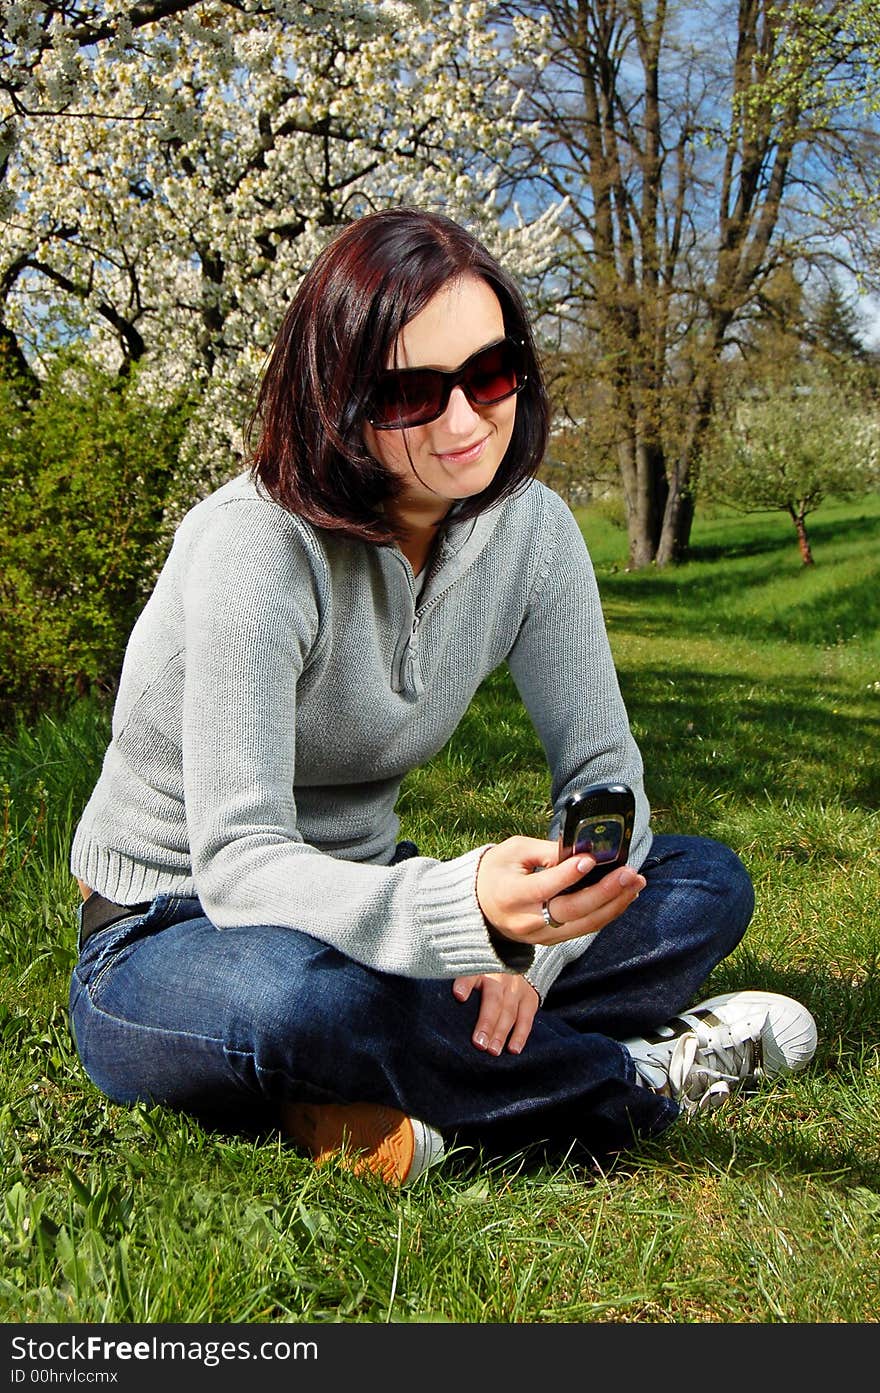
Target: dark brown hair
x: 306, y: 432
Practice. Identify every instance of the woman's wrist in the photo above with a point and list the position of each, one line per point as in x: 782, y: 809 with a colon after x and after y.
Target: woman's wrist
x: 517, y: 956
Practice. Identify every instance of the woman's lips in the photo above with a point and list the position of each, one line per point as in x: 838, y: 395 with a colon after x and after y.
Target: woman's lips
x: 465, y: 456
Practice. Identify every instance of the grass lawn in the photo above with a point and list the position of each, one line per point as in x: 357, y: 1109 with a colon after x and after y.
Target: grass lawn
x: 753, y: 686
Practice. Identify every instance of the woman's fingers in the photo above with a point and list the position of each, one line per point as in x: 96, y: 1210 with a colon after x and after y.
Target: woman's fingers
x: 525, y: 1018
x: 595, y: 906
x: 512, y: 881
x: 463, y: 986
x: 518, y: 877
x: 552, y: 880
x: 507, y: 1010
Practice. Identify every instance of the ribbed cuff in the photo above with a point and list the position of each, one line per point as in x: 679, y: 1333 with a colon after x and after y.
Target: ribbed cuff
x: 450, y: 915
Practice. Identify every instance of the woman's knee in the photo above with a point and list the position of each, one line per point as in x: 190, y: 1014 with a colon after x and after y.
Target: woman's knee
x: 707, y: 881
x: 731, y: 881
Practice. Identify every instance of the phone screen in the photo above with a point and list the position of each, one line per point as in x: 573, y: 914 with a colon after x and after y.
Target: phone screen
x: 600, y: 837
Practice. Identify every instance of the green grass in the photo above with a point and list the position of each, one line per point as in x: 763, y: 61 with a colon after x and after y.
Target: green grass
x: 753, y: 685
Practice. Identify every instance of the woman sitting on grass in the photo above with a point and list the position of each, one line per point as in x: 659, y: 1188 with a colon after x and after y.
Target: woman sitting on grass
x: 252, y: 934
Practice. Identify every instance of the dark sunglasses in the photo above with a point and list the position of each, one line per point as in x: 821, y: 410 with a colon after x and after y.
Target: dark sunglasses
x: 416, y: 396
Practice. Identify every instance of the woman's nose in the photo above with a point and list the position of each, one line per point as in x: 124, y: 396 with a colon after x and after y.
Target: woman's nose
x: 460, y: 415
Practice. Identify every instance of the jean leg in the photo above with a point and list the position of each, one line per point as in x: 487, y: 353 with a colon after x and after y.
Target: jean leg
x: 173, y: 1010
x: 647, y: 965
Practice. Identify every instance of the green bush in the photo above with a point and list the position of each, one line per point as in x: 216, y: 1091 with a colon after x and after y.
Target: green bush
x: 85, y: 468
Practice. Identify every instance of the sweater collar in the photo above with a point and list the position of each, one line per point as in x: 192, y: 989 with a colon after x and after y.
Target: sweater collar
x: 467, y: 538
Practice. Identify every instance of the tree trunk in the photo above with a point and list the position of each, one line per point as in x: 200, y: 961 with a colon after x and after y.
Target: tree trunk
x: 799, y: 520
x: 678, y: 517
x: 643, y: 473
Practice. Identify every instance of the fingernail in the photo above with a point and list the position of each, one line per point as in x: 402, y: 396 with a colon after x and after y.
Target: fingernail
x: 586, y: 863
x: 481, y: 1040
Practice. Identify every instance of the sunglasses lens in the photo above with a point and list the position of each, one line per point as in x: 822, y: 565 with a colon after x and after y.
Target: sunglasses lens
x: 415, y: 396
x: 406, y: 398
x: 493, y: 374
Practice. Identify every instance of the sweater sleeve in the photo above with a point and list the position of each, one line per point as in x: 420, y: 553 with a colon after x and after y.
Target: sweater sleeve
x: 562, y: 665
x: 248, y: 641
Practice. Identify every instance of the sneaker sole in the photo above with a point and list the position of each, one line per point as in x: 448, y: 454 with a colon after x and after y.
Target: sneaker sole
x: 363, y: 1137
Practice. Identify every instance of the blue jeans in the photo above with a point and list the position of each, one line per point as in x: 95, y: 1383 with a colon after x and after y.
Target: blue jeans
x: 225, y: 1023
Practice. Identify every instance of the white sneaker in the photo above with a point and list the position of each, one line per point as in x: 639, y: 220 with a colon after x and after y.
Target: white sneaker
x: 723, y: 1045
x: 364, y: 1137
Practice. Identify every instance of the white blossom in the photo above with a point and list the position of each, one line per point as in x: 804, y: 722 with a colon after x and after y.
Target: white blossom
x: 166, y: 187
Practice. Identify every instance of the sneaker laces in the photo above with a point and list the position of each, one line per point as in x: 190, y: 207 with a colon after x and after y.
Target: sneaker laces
x: 709, y: 1063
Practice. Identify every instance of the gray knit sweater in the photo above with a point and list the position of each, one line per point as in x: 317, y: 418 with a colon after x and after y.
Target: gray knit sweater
x: 280, y: 682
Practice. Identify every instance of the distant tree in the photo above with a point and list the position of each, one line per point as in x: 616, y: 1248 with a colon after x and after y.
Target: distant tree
x: 792, y: 447
x: 700, y: 147
x: 835, y: 327
x: 793, y: 328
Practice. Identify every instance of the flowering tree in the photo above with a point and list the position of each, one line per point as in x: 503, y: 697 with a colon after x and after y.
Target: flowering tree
x: 791, y: 447
x: 171, y: 168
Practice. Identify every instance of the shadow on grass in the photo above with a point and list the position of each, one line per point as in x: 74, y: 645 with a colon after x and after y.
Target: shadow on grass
x: 744, y: 733
x: 821, y: 530
x: 721, y: 731
x: 747, y: 739
x: 738, y: 1150
x: 699, y: 602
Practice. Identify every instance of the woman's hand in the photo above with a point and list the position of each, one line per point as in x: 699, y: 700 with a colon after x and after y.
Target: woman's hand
x: 517, y: 877
x: 507, y: 1009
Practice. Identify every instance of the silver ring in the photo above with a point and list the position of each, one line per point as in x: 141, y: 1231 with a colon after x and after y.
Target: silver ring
x: 548, y: 918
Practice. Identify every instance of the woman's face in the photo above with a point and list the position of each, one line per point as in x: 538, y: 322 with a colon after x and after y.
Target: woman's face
x: 457, y: 455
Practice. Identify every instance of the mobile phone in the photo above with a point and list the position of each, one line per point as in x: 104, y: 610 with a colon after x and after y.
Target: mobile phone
x: 597, y: 821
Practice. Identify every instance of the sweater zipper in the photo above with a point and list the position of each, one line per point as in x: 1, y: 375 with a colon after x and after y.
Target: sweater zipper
x: 412, y: 676
x: 408, y: 674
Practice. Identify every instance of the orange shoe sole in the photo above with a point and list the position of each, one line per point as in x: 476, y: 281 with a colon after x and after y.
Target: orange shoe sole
x: 363, y: 1137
